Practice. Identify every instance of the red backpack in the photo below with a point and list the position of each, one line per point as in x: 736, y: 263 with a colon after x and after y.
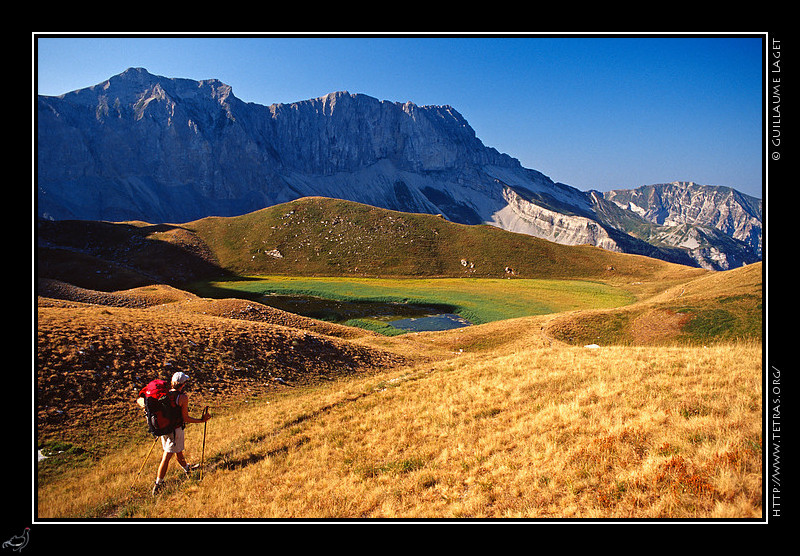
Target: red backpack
x: 161, y: 408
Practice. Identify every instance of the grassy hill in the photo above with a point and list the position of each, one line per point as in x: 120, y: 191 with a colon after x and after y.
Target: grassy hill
x: 328, y: 237
x: 510, y: 418
x: 723, y: 306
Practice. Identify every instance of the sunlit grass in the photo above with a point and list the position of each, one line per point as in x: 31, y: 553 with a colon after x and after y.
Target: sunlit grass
x: 560, y: 432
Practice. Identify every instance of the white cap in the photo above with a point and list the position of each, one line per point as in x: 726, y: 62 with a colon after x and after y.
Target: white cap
x: 179, y: 378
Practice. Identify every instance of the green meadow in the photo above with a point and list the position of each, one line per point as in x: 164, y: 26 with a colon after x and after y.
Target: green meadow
x: 478, y: 300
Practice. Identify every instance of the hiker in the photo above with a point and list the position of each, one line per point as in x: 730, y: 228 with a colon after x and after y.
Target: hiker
x: 173, y: 443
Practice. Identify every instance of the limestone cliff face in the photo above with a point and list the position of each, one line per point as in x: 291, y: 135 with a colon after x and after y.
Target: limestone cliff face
x: 154, y: 148
x: 342, y: 132
x: 144, y: 147
x: 523, y: 216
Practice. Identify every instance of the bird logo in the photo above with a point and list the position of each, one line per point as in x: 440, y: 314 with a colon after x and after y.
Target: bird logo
x: 18, y: 542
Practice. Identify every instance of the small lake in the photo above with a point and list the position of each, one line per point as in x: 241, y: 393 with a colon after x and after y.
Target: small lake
x: 405, y: 316
x: 430, y: 323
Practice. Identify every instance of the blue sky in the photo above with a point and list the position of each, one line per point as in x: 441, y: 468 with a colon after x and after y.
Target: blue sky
x: 592, y: 112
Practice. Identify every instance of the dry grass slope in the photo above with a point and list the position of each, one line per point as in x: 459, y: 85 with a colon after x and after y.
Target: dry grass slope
x: 538, y: 432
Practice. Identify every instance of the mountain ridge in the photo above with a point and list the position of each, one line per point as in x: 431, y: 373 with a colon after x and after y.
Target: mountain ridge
x: 146, y: 147
x: 680, y: 203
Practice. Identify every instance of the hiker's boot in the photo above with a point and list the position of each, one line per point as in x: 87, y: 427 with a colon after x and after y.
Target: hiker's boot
x: 189, y: 468
x: 157, y: 487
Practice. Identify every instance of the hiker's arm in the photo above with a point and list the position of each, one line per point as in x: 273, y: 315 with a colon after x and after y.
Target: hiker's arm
x: 184, y: 403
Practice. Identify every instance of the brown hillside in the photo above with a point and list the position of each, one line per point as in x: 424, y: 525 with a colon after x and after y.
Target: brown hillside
x: 93, y: 359
x: 106, y: 256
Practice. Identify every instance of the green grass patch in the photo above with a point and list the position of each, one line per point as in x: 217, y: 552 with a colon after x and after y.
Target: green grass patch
x: 478, y: 300
x: 375, y: 326
x: 59, y: 457
x: 710, y: 323
x: 724, y: 318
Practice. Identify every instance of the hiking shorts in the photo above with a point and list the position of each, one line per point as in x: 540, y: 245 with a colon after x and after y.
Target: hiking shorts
x: 173, y: 442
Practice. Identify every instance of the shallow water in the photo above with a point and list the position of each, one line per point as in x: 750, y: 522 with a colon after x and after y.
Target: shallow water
x: 405, y: 316
x: 431, y: 323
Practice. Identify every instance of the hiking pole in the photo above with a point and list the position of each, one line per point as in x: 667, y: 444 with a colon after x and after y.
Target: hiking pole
x: 203, y: 452
x: 145, y: 461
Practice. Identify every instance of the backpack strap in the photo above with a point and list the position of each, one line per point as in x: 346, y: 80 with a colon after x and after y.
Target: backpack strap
x: 177, y: 394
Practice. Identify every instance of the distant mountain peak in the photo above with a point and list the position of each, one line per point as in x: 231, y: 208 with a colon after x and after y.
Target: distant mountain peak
x: 131, y: 77
x: 135, y: 71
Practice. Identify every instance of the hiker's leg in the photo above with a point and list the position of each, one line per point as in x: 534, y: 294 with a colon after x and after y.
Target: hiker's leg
x: 163, y: 466
x: 182, y: 461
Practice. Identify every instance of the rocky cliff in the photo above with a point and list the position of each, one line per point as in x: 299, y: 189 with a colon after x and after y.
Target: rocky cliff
x: 688, y: 206
x: 145, y: 147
